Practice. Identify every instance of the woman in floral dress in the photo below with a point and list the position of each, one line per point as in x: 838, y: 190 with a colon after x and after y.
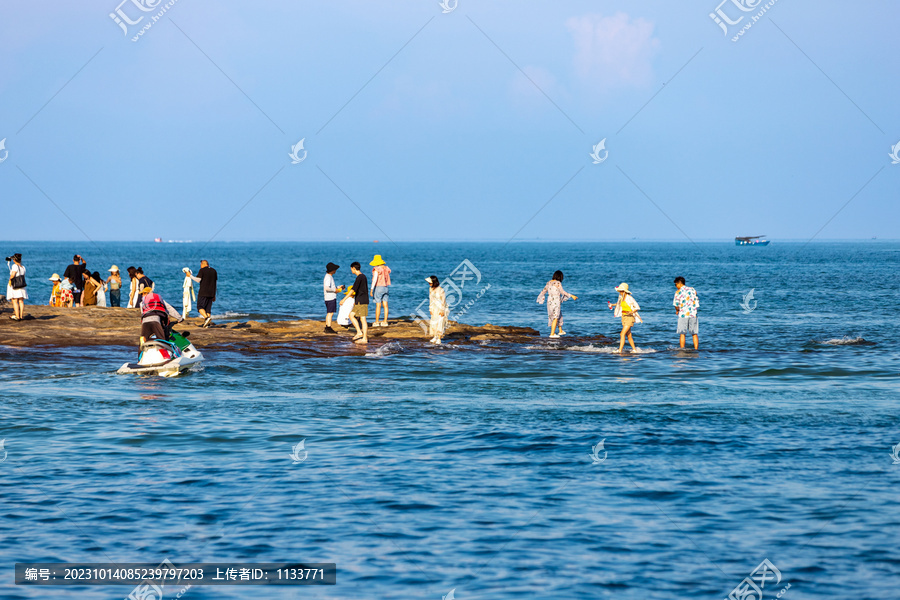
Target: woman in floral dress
x: 437, y: 306
x: 556, y: 295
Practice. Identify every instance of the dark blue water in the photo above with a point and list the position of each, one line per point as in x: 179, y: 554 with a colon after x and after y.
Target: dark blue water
x: 469, y: 467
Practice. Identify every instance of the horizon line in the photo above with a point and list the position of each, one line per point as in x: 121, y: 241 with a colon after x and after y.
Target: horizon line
x: 449, y: 241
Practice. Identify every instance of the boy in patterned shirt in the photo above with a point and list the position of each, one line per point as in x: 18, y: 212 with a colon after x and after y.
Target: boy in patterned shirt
x: 686, y: 305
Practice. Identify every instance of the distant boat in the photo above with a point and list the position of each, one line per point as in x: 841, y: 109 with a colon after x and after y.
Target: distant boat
x: 157, y: 240
x: 753, y: 240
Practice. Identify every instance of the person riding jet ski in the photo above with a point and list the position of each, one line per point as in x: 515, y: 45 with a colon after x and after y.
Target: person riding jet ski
x: 155, y: 313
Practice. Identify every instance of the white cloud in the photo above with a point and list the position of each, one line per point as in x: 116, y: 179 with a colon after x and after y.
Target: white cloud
x: 616, y: 50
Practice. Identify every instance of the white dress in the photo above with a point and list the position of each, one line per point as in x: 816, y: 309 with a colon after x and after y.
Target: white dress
x: 437, y: 305
x: 101, y: 296
x: 14, y: 271
x: 133, y: 297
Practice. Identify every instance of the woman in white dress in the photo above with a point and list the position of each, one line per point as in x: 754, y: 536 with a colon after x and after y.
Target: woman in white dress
x: 134, y: 299
x: 16, y: 295
x: 437, y: 306
x: 187, y: 293
x: 101, y: 289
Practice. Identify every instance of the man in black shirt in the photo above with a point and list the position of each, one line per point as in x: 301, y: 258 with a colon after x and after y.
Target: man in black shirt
x: 75, y: 272
x: 360, y: 294
x: 206, y: 295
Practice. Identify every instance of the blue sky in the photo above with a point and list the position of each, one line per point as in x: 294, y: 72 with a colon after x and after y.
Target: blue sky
x: 476, y: 124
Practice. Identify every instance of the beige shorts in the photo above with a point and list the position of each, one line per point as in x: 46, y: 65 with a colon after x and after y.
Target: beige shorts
x: 360, y: 310
x: 627, y: 321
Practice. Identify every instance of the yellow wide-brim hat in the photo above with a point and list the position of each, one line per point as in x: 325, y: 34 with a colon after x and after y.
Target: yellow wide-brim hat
x: 622, y: 288
x: 377, y: 261
x: 55, y: 277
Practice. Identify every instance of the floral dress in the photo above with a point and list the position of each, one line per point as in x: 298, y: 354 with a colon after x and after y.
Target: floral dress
x: 437, y: 305
x: 65, y: 293
x: 556, y: 295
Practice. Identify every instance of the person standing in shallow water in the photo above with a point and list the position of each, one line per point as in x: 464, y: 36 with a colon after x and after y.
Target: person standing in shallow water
x: 686, y: 306
x: 627, y: 308
x: 556, y: 295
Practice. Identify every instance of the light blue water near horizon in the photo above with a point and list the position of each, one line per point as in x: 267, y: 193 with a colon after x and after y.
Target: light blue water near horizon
x: 468, y: 467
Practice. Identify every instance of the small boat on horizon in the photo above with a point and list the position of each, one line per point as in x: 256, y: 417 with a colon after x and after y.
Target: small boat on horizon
x: 752, y: 240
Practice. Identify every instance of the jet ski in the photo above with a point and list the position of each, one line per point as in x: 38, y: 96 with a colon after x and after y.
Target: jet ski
x: 167, y: 358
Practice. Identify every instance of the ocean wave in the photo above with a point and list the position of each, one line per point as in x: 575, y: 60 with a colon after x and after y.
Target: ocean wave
x: 230, y: 315
x: 386, y: 350
x: 846, y: 341
x: 610, y: 350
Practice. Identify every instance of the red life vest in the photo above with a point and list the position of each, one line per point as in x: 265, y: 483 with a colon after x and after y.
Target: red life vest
x: 152, y: 303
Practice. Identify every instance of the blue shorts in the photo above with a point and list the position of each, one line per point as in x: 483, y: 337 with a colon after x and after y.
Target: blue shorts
x: 687, y: 326
x: 331, y: 306
x: 381, y: 293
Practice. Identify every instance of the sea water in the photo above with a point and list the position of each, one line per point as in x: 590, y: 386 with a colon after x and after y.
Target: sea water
x: 478, y: 468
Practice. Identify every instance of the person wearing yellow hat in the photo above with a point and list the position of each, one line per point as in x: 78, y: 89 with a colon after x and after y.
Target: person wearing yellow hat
x: 381, y: 285
x: 627, y: 308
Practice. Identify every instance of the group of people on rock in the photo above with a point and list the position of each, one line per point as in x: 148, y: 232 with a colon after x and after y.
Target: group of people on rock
x: 354, y: 306
x: 81, y: 287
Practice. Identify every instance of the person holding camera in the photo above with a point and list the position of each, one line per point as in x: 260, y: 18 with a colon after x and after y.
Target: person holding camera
x: 15, y: 289
x: 75, y: 272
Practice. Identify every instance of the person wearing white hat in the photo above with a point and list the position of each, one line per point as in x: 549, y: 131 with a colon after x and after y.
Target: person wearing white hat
x: 114, y: 282
x: 627, y: 308
x: 188, y: 295
x: 56, y: 292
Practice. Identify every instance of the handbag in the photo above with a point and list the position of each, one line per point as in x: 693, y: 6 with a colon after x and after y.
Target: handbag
x: 18, y: 282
